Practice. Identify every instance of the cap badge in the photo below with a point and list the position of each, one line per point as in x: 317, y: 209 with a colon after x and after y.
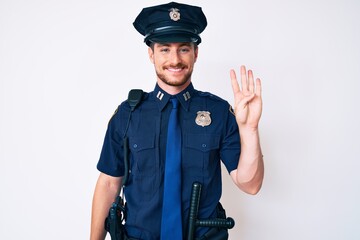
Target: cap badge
x: 174, y: 14
x: 203, y: 118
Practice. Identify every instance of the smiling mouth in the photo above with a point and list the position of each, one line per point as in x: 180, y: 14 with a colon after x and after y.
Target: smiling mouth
x: 175, y: 69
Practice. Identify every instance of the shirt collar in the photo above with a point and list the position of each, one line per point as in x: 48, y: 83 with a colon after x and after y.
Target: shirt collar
x: 184, y: 97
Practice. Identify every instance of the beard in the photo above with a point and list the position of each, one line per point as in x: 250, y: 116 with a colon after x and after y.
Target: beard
x: 179, y: 81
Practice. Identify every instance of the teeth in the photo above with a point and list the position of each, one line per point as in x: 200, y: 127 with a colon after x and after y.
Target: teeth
x: 175, y: 69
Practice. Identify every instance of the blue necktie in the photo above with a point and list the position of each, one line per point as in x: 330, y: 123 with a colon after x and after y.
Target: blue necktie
x: 171, y: 222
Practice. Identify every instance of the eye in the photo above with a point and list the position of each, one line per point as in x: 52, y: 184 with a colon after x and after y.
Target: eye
x: 164, y: 50
x: 184, y: 50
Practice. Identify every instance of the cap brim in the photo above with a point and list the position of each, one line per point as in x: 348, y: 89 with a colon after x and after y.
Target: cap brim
x: 172, y: 37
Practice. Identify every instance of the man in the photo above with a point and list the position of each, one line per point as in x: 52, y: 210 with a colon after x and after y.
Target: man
x: 210, y: 131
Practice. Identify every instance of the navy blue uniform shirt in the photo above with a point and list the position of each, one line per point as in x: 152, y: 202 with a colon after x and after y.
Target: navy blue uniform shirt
x: 204, y: 143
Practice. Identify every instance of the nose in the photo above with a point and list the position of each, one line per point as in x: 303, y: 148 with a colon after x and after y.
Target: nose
x: 175, y: 58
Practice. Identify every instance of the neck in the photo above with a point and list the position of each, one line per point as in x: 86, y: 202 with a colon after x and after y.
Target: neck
x: 173, y: 90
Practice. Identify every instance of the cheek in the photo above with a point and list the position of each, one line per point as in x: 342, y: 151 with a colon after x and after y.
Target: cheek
x: 159, y: 62
x: 157, y: 66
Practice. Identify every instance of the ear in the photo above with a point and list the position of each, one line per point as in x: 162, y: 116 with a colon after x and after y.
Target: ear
x: 151, y: 55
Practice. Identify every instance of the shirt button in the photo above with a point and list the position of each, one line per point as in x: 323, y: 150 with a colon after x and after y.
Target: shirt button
x: 203, y: 145
x: 135, y: 145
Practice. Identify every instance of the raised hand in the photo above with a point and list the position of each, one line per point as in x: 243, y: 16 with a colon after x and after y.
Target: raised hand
x: 248, y: 102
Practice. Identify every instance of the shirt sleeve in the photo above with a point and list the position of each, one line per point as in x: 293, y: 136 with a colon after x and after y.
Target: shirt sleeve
x: 111, y: 160
x: 230, y: 146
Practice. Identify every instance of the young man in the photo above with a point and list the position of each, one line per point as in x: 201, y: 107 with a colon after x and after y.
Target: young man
x: 177, y: 136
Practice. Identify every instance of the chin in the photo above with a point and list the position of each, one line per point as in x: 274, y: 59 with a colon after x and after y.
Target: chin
x: 177, y: 83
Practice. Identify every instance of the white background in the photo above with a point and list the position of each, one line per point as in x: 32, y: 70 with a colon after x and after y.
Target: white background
x: 66, y: 65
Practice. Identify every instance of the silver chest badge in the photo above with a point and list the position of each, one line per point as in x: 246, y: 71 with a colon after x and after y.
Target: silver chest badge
x: 203, y: 118
x: 174, y: 14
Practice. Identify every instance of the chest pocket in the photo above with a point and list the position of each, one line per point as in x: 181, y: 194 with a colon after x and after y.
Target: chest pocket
x: 144, y: 176
x: 201, y: 154
x: 143, y: 161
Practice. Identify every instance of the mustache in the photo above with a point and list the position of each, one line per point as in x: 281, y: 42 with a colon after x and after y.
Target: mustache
x: 179, y: 65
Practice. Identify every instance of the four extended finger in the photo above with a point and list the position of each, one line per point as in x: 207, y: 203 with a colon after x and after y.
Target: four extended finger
x: 248, y: 85
x: 251, y: 81
x: 244, y: 81
x: 258, y: 87
x: 234, y: 82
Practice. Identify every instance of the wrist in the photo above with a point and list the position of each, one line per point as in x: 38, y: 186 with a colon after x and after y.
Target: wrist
x: 248, y: 131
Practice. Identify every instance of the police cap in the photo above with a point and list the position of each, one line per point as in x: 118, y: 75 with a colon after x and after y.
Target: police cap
x: 171, y: 22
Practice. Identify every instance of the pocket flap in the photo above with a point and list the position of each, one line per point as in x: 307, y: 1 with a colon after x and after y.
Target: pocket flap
x: 202, y: 142
x: 140, y: 143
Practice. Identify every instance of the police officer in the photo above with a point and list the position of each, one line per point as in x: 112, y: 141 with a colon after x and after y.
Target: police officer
x: 210, y: 131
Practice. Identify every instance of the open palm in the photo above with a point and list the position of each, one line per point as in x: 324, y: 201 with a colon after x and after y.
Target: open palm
x: 248, y: 102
